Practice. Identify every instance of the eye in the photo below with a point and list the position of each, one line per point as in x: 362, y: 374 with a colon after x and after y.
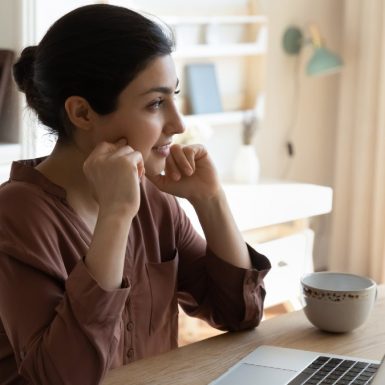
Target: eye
x: 155, y: 105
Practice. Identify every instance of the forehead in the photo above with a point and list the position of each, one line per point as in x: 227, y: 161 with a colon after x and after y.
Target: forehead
x: 160, y: 72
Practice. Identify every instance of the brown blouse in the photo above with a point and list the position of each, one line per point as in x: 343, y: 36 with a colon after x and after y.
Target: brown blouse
x: 58, y: 326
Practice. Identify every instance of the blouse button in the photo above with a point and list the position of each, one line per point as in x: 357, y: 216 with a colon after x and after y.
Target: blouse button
x: 130, y: 326
x: 130, y: 353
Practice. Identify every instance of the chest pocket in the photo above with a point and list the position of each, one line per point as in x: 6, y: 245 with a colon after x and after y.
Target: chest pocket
x: 163, y: 286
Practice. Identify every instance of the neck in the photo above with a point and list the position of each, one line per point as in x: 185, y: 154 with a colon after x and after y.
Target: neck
x: 64, y: 167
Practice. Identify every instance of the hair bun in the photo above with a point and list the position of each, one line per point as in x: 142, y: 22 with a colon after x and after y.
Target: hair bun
x: 23, y: 69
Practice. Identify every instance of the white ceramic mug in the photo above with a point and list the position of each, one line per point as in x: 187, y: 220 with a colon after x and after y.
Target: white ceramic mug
x: 337, y: 302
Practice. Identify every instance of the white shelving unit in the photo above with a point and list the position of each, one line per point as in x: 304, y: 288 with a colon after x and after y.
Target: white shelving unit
x: 219, y: 50
x: 207, y: 20
x: 233, y: 43
x: 217, y: 119
x: 225, y: 43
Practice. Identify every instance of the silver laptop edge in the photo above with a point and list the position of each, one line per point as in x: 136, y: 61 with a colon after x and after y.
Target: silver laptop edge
x: 271, y: 365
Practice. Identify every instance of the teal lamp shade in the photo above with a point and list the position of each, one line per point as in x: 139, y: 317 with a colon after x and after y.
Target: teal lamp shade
x: 323, y: 62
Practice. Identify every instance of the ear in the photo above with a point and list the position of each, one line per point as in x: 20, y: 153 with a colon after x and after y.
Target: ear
x: 79, y: 112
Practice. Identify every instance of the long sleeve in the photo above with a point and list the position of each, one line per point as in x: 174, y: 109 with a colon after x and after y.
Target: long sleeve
x: 62, y: 326
x: 52, y: 328
x: 227, y: 297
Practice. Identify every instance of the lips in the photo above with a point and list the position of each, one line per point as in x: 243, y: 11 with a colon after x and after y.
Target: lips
x: 163, y: 150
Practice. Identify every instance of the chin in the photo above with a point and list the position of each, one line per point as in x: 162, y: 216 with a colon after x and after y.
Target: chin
x: 154, y: 168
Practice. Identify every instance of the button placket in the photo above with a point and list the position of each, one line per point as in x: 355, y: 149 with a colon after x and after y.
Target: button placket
x: 128, y: 335
x: 130, y: 326
x: 130, y: 353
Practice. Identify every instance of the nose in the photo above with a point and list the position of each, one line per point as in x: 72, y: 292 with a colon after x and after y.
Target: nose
x: 174, y: 123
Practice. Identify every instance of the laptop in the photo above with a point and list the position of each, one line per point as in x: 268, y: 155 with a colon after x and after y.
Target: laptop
x: 271, y: 365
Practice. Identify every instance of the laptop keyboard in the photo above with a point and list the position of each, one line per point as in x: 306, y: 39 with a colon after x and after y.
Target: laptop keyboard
x: 336, y: 371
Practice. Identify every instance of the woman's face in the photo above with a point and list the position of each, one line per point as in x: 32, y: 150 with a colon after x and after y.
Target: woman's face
x: 146, y: 114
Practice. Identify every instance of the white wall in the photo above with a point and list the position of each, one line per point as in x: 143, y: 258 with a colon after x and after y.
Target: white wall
x: 10, y: 24
x: 48, y: 11
x: 313, y: 134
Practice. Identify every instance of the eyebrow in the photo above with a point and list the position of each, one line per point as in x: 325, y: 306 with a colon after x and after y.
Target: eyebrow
x: 162, y: 89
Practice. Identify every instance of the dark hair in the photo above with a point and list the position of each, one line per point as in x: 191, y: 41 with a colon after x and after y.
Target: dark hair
x: 93, y: 52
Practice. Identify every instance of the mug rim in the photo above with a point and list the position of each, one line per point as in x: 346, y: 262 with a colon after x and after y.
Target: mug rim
x: 373, y: 284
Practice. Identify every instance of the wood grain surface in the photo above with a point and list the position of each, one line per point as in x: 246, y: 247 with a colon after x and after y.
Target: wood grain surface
x: 201, y: 362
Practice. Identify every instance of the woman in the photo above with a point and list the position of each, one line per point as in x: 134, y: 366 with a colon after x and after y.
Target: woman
x: 95, y: 252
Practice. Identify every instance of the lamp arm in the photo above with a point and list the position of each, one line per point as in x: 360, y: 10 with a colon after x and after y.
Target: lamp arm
x: 315, y: 36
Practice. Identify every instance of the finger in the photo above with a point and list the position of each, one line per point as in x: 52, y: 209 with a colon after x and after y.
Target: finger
x: 189, y: 152
x: 181, y: 160
x: 121, y: 142
x: 171, y: 169
x: 104, y: 148
x: 199, y: 151
x: 108, y: 147
x: 136, y: 158
x: 125, y: 150
x: 141, y: 169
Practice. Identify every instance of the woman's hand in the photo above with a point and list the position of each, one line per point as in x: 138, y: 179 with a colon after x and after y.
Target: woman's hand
x: 189, y: 173
x: 113, y: 171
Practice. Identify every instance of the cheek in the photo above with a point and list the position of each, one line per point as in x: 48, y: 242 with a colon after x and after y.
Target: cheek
x: 115, y: 129
x: 142, y: 133
x: 146, y: 136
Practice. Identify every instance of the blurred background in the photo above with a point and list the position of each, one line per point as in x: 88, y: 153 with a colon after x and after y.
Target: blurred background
x: 289, y: 98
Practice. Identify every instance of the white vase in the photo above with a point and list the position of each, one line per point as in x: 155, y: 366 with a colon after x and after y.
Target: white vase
x: 246, y: 166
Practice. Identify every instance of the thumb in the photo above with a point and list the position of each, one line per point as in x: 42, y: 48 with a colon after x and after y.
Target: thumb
x: 121, y: 142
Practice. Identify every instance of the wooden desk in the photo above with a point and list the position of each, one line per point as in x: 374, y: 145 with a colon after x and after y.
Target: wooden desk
x: 203, y: 361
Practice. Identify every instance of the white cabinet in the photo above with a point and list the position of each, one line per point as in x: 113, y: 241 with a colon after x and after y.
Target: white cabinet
x: 273, y: 217
x: 271, y: 203
x: 291, y: 257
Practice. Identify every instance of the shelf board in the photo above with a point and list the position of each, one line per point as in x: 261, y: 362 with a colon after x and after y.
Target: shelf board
x: 238, y: 19
x: 215, y: 50
x: 269, y: 203
x: 221, y: 118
